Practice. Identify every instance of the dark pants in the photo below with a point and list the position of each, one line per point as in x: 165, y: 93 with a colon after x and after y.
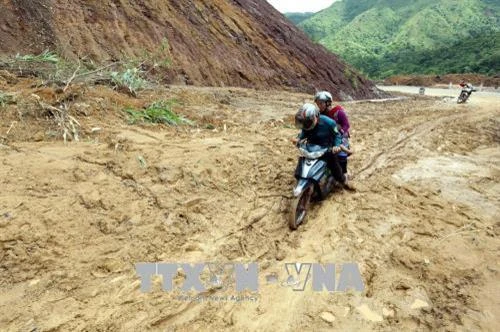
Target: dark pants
x: 343, y: 164
x: 332, y: 162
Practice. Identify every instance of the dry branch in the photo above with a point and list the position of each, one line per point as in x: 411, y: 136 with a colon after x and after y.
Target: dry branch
x: 72, y: 77
x: 64, y: 120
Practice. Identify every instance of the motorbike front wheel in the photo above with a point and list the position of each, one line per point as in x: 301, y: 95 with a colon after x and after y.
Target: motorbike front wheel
x: 463, y: 97
x: 300, y: 204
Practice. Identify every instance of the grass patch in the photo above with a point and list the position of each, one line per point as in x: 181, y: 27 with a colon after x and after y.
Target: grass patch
x: 157, y: 112
x: 45, y: 56
x: 5, y: 99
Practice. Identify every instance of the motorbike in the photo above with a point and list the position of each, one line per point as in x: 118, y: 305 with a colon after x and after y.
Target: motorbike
x: 314, y: 182
x: 465, y: 94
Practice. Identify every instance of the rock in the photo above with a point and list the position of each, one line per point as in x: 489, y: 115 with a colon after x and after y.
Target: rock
x: 193, y: 202
x: 257, y: 215
x: 39, y: 136
x: 120, y: 278
x: 271, y: 279
x: 266, y: 264
x: 387, y: 312
x: 402, y: 285
x: 327, y: 317
x: 79, y: 175
x: 280, y: 255
x: 406, y: 257
x: 169, y: 175
x: 34, y: 282
x: 491, y: 269
x: 418, y: 304
x: 91, y: 200
x: 192, y: 247
x: 368, y: 314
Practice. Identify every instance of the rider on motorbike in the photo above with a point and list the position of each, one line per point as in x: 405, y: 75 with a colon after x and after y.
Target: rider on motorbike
x: 321, y: 130
x: 467, y: 89
x: 466, y: 86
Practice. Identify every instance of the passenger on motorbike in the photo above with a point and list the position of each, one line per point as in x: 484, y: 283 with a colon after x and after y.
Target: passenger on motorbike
x: 324, y: 101
x: 343, y: 155
x: 321, y: 130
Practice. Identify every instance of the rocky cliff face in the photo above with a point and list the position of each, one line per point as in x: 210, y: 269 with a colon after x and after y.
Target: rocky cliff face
x: 243, y: 43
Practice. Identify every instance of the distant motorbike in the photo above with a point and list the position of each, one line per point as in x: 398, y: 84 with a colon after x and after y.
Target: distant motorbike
x: 465, y: 94
x: 314, y: 182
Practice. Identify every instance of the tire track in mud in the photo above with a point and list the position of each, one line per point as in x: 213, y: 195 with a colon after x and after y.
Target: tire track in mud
x: 422, y: 129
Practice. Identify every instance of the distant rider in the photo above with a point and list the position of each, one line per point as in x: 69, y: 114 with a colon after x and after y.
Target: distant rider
x: 466, y: 87
x: 321, y: 130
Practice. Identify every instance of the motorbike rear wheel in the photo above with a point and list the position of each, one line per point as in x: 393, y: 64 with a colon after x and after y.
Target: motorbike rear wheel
x: 298, y: 209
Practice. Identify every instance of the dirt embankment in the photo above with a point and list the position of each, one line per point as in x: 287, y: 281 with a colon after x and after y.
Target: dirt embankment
x: 430, y: 80
x: 76, y: 217
x: 216, y: 43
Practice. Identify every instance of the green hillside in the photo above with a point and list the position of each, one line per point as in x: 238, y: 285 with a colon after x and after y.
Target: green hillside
x: 387, y: 37
x: 296, y: 18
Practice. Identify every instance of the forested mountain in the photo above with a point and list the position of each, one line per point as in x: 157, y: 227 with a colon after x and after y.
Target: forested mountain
x: 386, y: 37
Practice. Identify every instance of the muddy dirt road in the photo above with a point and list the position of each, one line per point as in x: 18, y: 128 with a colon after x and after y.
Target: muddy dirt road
x: 482, y: 93
x: 423, y: 225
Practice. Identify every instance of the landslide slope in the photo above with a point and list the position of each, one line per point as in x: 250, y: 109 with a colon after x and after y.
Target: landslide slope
x: 243, y: 43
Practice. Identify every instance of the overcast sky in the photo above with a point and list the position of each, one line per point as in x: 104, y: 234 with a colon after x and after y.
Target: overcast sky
x: 300, y: 6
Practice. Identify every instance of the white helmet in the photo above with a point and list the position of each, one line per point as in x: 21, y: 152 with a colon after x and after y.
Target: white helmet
x: 323, y: 96
x: 307, y: 116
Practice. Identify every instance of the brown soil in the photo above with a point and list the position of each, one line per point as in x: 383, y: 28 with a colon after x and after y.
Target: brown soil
x: 76, y: 217
x: 217, y: 43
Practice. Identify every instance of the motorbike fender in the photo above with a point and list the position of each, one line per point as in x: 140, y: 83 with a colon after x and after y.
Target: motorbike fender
x: 313, y: 169
x: 299, y: 188
x: 319, y: 173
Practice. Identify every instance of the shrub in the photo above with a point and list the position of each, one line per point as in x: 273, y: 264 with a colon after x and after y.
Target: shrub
x: 157, y: 112
x: 130, y: 80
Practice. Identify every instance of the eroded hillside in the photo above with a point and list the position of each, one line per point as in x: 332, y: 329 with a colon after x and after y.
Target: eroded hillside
x: 244, y: 43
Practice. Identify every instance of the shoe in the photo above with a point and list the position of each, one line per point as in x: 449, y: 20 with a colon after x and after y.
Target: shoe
x: 348, y: 186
